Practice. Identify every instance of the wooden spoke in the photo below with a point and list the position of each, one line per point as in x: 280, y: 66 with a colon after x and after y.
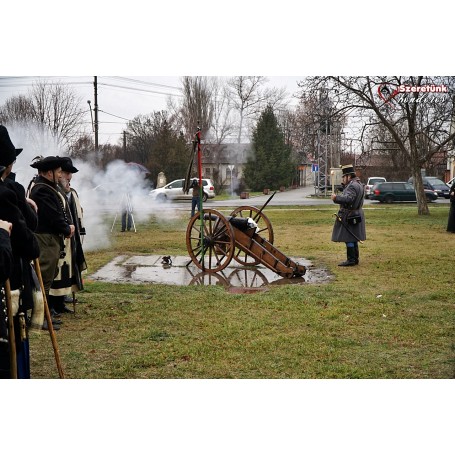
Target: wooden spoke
x: 213, y: 250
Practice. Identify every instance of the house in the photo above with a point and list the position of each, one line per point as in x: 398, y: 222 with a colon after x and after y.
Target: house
x: 225, y: 163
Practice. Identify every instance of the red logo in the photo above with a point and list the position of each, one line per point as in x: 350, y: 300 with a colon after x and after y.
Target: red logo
x: 387, y: 91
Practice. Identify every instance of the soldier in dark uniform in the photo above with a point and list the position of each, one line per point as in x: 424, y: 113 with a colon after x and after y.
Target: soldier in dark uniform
x: 350, y: 223
x: 24, y: 247
x: 69, y: 278
x: 6, y: 267
x: 6, y: 253
x: 54, y: 225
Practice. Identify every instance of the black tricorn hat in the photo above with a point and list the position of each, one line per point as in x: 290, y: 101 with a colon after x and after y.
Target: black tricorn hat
x: 348, y: 169
x: 8, y: 152
x: 49, y: 163
x: 67, y: 166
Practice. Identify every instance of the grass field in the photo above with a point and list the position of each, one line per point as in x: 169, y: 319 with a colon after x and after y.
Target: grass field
x: 390, y: 317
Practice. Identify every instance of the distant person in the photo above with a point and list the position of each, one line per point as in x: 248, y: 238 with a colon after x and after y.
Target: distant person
x: 350, y: 222
x: 127, y: 213
x: 451, y: 221
x: 196, y: 197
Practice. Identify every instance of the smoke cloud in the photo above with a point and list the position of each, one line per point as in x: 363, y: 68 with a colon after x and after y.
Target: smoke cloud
x: 102, y: 192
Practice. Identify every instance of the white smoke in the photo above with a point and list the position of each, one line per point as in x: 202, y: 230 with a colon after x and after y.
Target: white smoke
x: 102, y: 193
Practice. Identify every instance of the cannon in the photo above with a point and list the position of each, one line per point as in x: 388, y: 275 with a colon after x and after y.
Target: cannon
x: 214, y: 239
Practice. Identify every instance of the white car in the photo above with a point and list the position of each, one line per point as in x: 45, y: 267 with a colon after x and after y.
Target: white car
x: 174, y: 190
x: 370, y: 183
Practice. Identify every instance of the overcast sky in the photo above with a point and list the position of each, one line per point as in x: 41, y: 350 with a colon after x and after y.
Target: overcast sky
x: 121, y: 98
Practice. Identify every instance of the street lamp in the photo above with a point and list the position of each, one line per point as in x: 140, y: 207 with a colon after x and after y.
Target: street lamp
x: 231, y: 167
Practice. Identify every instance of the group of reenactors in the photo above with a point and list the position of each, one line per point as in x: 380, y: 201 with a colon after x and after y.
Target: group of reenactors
x: 41, y: 255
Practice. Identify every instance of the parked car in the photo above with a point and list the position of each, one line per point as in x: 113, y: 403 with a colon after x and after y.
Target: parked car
x: 174, y: 190
x: 370, y: 183
x: 435, y: 184
x: 389, y: 192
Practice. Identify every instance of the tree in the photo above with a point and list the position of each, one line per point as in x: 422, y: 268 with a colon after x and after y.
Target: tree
x: 153, y: 141
x: 417, y: 111
x: 271, y: 166
x: 195, y: 109
x: 55, y: 106
x: 249, y: 98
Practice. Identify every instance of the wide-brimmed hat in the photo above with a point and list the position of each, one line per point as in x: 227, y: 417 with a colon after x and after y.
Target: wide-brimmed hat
x: 68, y: 165
x: 348, y: 169
x: 8, y: 152
x: 49, y: 163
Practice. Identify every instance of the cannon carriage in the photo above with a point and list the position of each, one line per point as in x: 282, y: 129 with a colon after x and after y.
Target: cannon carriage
x: 246, y: 236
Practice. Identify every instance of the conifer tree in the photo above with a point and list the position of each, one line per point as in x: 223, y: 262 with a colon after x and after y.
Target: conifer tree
x: 271, y: 165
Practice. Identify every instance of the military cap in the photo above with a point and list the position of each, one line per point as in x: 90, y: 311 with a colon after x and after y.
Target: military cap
x: 67, y: 166
x: 8, y: 152
x: 49, y: 163
x: 348, y: 169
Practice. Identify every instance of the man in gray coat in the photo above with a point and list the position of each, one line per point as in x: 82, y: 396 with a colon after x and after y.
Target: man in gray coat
x: 350, y: 221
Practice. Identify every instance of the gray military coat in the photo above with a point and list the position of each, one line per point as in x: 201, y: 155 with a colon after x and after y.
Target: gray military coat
x: 351, y: 203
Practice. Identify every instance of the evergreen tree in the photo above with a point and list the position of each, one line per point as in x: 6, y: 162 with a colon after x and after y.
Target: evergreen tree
x: 271, y: 166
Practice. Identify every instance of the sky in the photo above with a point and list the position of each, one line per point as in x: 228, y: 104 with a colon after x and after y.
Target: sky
x: 121, y: 98
x: 165, y: 40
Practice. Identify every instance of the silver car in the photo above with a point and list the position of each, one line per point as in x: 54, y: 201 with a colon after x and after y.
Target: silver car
x: 174, y: 190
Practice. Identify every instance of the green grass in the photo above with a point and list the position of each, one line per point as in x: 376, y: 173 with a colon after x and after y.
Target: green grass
x: 390, y: 317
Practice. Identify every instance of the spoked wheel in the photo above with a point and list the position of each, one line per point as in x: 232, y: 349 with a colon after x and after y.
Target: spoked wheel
x: 247, y: 278
x: 265, y: 230
x: 209, y: 279
x: 214, y: 249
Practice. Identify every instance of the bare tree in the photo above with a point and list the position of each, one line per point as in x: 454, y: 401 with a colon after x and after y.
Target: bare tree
x: 222, y: 122
x: 249, y: 98
x: 16, y: 109
x: 417, y: 111
x: 55, y: 106
x: 196, y: 107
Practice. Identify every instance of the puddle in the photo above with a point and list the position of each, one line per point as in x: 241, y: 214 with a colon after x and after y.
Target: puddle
x: 180, y: 270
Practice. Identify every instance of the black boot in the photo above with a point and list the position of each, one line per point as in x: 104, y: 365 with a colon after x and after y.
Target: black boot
x: 350, y: 252
x: 356, y: 253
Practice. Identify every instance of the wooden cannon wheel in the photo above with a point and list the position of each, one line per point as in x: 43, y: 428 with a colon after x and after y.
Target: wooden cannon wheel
x: 213, y: 250
x: 209, y: 278
x: 265, y: 231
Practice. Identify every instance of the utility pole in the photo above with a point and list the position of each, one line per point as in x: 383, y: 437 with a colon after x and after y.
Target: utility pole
x: 95, y: 83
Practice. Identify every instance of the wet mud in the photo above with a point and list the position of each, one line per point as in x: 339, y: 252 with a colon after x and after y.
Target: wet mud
x: 180, y: 270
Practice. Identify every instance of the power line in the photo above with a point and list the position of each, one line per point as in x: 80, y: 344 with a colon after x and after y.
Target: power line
x: 139, y: 89
x: 147, y: 83
x: 5, y: 82
x: 123, y: 118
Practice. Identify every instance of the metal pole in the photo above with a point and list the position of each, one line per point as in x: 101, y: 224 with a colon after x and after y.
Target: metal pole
x: 95, y: 83
x: 201, y: 192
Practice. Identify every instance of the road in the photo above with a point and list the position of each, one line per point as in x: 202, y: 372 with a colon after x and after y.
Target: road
x: 299, y: 196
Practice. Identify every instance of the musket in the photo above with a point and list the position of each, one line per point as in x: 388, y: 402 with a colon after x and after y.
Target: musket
x: 11, y: 335
x: 338, y: 217
x: 49, y: 319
